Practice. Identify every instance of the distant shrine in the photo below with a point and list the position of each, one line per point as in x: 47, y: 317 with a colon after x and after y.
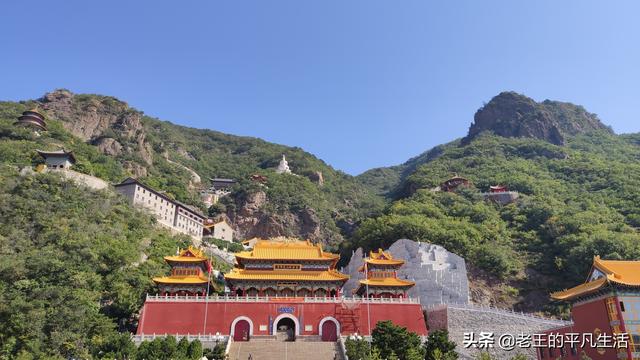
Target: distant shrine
x: 286, y: 268
x: 381, y: 277
x: 57, y: 160
x: 33, y: 119
x: 500, y: 194
x: 283, y: 167
x: 454, y: 183
x: 189, y: 271
x: 607, y: 303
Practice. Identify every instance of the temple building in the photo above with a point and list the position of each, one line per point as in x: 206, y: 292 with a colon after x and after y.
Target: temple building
x: 57, y: 160
x: 283, y: 167
x: 176, y: 216
x: 381, y: 277
x: 454, y: 183
x: 496, y: 189
x: 189, y: 269
x: 32, y: 118
x: 282, y: 290
x: 286, y: 268
x: 607, y: 303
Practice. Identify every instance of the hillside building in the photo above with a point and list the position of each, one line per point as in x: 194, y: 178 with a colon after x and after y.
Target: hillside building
x: 381, y: 277
x: 32, y: 119
x: 606, y: 304
x: 220, y: 230
x: 454, y: 183
x: 170, y: 213
x: 57, y: 160
x: 189, y: 269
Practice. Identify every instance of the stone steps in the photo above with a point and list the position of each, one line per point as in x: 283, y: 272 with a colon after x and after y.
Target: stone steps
x: 283, y: 350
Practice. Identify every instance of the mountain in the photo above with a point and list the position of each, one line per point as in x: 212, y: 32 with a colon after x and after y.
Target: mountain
x: 579, y: 197
x: 510, y: 114
x: 113, y: 140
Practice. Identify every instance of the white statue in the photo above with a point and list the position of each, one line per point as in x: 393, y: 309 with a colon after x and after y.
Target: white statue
x: 283, y: 167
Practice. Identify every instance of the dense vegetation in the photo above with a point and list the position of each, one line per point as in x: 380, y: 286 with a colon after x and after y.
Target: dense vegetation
x: 71, y: 273
x: 389, y: 341
x: 576, y: 201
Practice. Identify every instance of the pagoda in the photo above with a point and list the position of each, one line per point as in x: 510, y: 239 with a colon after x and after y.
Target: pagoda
x: 188, y: 276
x: 381, y: 277
x: 32, y: 118
x: 286, y: 267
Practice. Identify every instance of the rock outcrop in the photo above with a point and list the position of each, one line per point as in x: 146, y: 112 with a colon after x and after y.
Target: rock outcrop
x: 510, y: 114
x: 440, y: 276
x: 251, y: 218
x: 103, y: 121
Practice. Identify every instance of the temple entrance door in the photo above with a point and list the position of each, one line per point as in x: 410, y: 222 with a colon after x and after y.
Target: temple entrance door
x: 241, y: 331
x: 286, y: 330
x: 329, y: 331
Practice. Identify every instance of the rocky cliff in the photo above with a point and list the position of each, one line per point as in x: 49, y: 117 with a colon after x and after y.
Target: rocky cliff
x: 510, y: 114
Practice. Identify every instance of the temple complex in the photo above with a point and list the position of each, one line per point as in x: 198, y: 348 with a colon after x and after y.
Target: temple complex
x: 606, y: 304
x: 286, y: 268
x: 381, y: 277
x: 189, y: 269
x: 283, y: 167
x: 281, y: 290
x: 32, y: 118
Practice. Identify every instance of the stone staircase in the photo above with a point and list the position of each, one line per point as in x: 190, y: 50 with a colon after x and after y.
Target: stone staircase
x: 284, y: 350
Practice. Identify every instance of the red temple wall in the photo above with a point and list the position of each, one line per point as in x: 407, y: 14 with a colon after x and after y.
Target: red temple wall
x: 181, y: 317
x: 587, y: 318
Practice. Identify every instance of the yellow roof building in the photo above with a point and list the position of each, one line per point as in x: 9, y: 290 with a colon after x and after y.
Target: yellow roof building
x: 604, y: 273
x: 285, y: 263
x: 381, y: 275
x: 187, y: 268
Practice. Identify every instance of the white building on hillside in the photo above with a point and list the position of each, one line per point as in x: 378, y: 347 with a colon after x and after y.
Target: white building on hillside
x: 170, y: 213
x: 222, y: 230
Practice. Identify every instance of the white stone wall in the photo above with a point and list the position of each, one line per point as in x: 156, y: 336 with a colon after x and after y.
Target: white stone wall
x: 461, y: 319
x: 440, y: 276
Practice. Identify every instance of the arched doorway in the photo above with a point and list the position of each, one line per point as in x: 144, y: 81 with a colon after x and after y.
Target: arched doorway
x: 241, y: 330
x: 286, y: 327
x: 329, y: 331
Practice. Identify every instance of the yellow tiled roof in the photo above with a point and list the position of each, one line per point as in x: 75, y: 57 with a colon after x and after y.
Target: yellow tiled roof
x: 615, y: 271
x: 286, y: 275
x: 386, y: 282
x: 286, y: 250
x: 190, y: 255
x: 383, y: 258
x: 189, y: 279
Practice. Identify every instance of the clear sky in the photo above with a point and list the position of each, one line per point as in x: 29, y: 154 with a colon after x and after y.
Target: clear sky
x: 360, y: 84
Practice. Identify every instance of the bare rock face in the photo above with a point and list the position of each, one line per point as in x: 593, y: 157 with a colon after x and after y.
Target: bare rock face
x: 510, y: 114
x: 252, y: 219
x: 135, y: 169
x: 109, y: 146
x: 92, y: 118
x: 317, y: 178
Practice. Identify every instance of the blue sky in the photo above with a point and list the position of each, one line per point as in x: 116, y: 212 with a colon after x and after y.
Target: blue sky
x: 360, y: 84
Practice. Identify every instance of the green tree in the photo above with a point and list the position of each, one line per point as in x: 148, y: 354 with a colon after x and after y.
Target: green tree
x: 393, y: 340
x: 195, y: 350
x: 439, y: 347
